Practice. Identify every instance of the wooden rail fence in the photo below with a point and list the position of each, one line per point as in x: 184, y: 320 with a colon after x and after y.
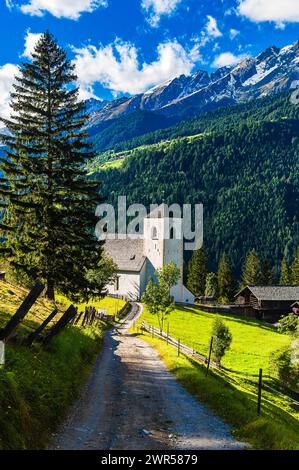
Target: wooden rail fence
x: 193, y: 354
x: 70, y: 317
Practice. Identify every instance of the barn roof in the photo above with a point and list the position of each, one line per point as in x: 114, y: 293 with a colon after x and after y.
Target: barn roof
x: 126, y: 253
x: 287, y: 293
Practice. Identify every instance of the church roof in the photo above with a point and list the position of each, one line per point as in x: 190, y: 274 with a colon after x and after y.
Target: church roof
x: 127, y: 253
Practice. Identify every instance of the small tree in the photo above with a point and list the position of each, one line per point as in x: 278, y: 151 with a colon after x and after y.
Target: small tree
x: 226, y: 282
x: 286, y: 362
x: 251, y: 274
x: 198, y: 268
x: 222, y: 339
x: 157, y: 296
x: 288, y: 324
x: 211, y: 285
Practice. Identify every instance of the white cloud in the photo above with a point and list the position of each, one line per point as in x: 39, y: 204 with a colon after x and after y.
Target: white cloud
x: 7, y: 74
x: 233, y: 33
x: 228, y: 58
x: 118, y: 68
x: 278, y: 11
x: 210, y: 32
x: 30, y: 43
x: 158, y: 8
x: 9, y: 4
x: 71, y: 9
x: 212, y: 28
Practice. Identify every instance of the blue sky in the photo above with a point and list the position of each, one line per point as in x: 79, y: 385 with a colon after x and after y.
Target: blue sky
x: 127, y: 46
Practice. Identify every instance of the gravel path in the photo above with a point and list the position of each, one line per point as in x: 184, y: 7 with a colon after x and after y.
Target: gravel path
x: 132, y: 402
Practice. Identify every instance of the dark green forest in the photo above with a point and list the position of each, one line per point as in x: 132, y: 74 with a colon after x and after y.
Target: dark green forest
x: 109, y: 133
x: 245, y: 171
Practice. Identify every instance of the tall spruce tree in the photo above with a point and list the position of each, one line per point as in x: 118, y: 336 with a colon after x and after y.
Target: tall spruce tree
x: 252, y: 274
x: 197, y: 273
x: 226, y: 282
x: 295, y: 269
x: 284, y: 279
x: 49, y: 203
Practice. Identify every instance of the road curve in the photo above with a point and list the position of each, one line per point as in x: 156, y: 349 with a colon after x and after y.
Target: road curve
x: 131, y: 401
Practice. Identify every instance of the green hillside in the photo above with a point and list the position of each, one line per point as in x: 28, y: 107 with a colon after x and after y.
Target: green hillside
x: 109, y: 133
x: 244, y: 169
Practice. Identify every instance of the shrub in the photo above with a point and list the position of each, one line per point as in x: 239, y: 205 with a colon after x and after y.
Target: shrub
x: 222, y: 339
x: 288, y: 323
x: 287, y: 365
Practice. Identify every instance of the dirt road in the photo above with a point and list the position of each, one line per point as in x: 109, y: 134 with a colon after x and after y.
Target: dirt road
x: 131, y: 401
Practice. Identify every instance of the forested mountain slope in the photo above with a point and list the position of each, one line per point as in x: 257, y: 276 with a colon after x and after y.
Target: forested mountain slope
x: 117, y: 135
x: 245, y: 171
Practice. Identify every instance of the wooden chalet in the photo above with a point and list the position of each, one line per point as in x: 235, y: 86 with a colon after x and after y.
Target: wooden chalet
x: 267, y: 301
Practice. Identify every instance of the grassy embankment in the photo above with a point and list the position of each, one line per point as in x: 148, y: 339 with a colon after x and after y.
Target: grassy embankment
x: 231, y: 393
x: 36, y: 385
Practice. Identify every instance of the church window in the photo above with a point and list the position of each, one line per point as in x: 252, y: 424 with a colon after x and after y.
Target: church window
x: 154, y: 233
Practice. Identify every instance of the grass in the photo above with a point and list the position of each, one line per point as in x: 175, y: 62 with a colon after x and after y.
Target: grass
x: 113, y: 164
x: 110, y: 304
x: 38, y: 385
x: 230, y: 395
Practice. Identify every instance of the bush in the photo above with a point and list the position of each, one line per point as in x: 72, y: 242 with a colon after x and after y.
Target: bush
x: 222, y: 339
x: 287, y: 365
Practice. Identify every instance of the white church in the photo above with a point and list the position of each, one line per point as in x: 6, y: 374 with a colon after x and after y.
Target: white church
x: 137, y: 259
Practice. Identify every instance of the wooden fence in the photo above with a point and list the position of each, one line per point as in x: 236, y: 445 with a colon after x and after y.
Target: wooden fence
x: 206, y: 360
x: 181, y: 348
x: 91, y: 315
x: 44, y: 335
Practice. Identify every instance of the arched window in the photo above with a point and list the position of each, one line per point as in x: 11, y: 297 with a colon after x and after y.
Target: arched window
x: 154, y: 233
x: 171, y: 234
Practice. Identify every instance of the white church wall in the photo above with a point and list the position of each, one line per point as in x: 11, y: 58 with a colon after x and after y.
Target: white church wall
x: 174, y: 251
x: 153, y: 241
x: 143, y: 278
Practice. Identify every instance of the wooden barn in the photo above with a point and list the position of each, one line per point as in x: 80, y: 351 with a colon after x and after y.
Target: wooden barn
x: 267, y: 301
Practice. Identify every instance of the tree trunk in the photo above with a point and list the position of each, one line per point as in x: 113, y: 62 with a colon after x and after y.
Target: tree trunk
x: 50, y: 293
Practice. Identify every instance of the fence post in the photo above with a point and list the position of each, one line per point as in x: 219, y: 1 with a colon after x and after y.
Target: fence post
x: 179, y: 347
x: 210, y: 354
x: 34, y: 335
x: 259, y: 397
x: 167, y: 333
x: 61, y: 324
